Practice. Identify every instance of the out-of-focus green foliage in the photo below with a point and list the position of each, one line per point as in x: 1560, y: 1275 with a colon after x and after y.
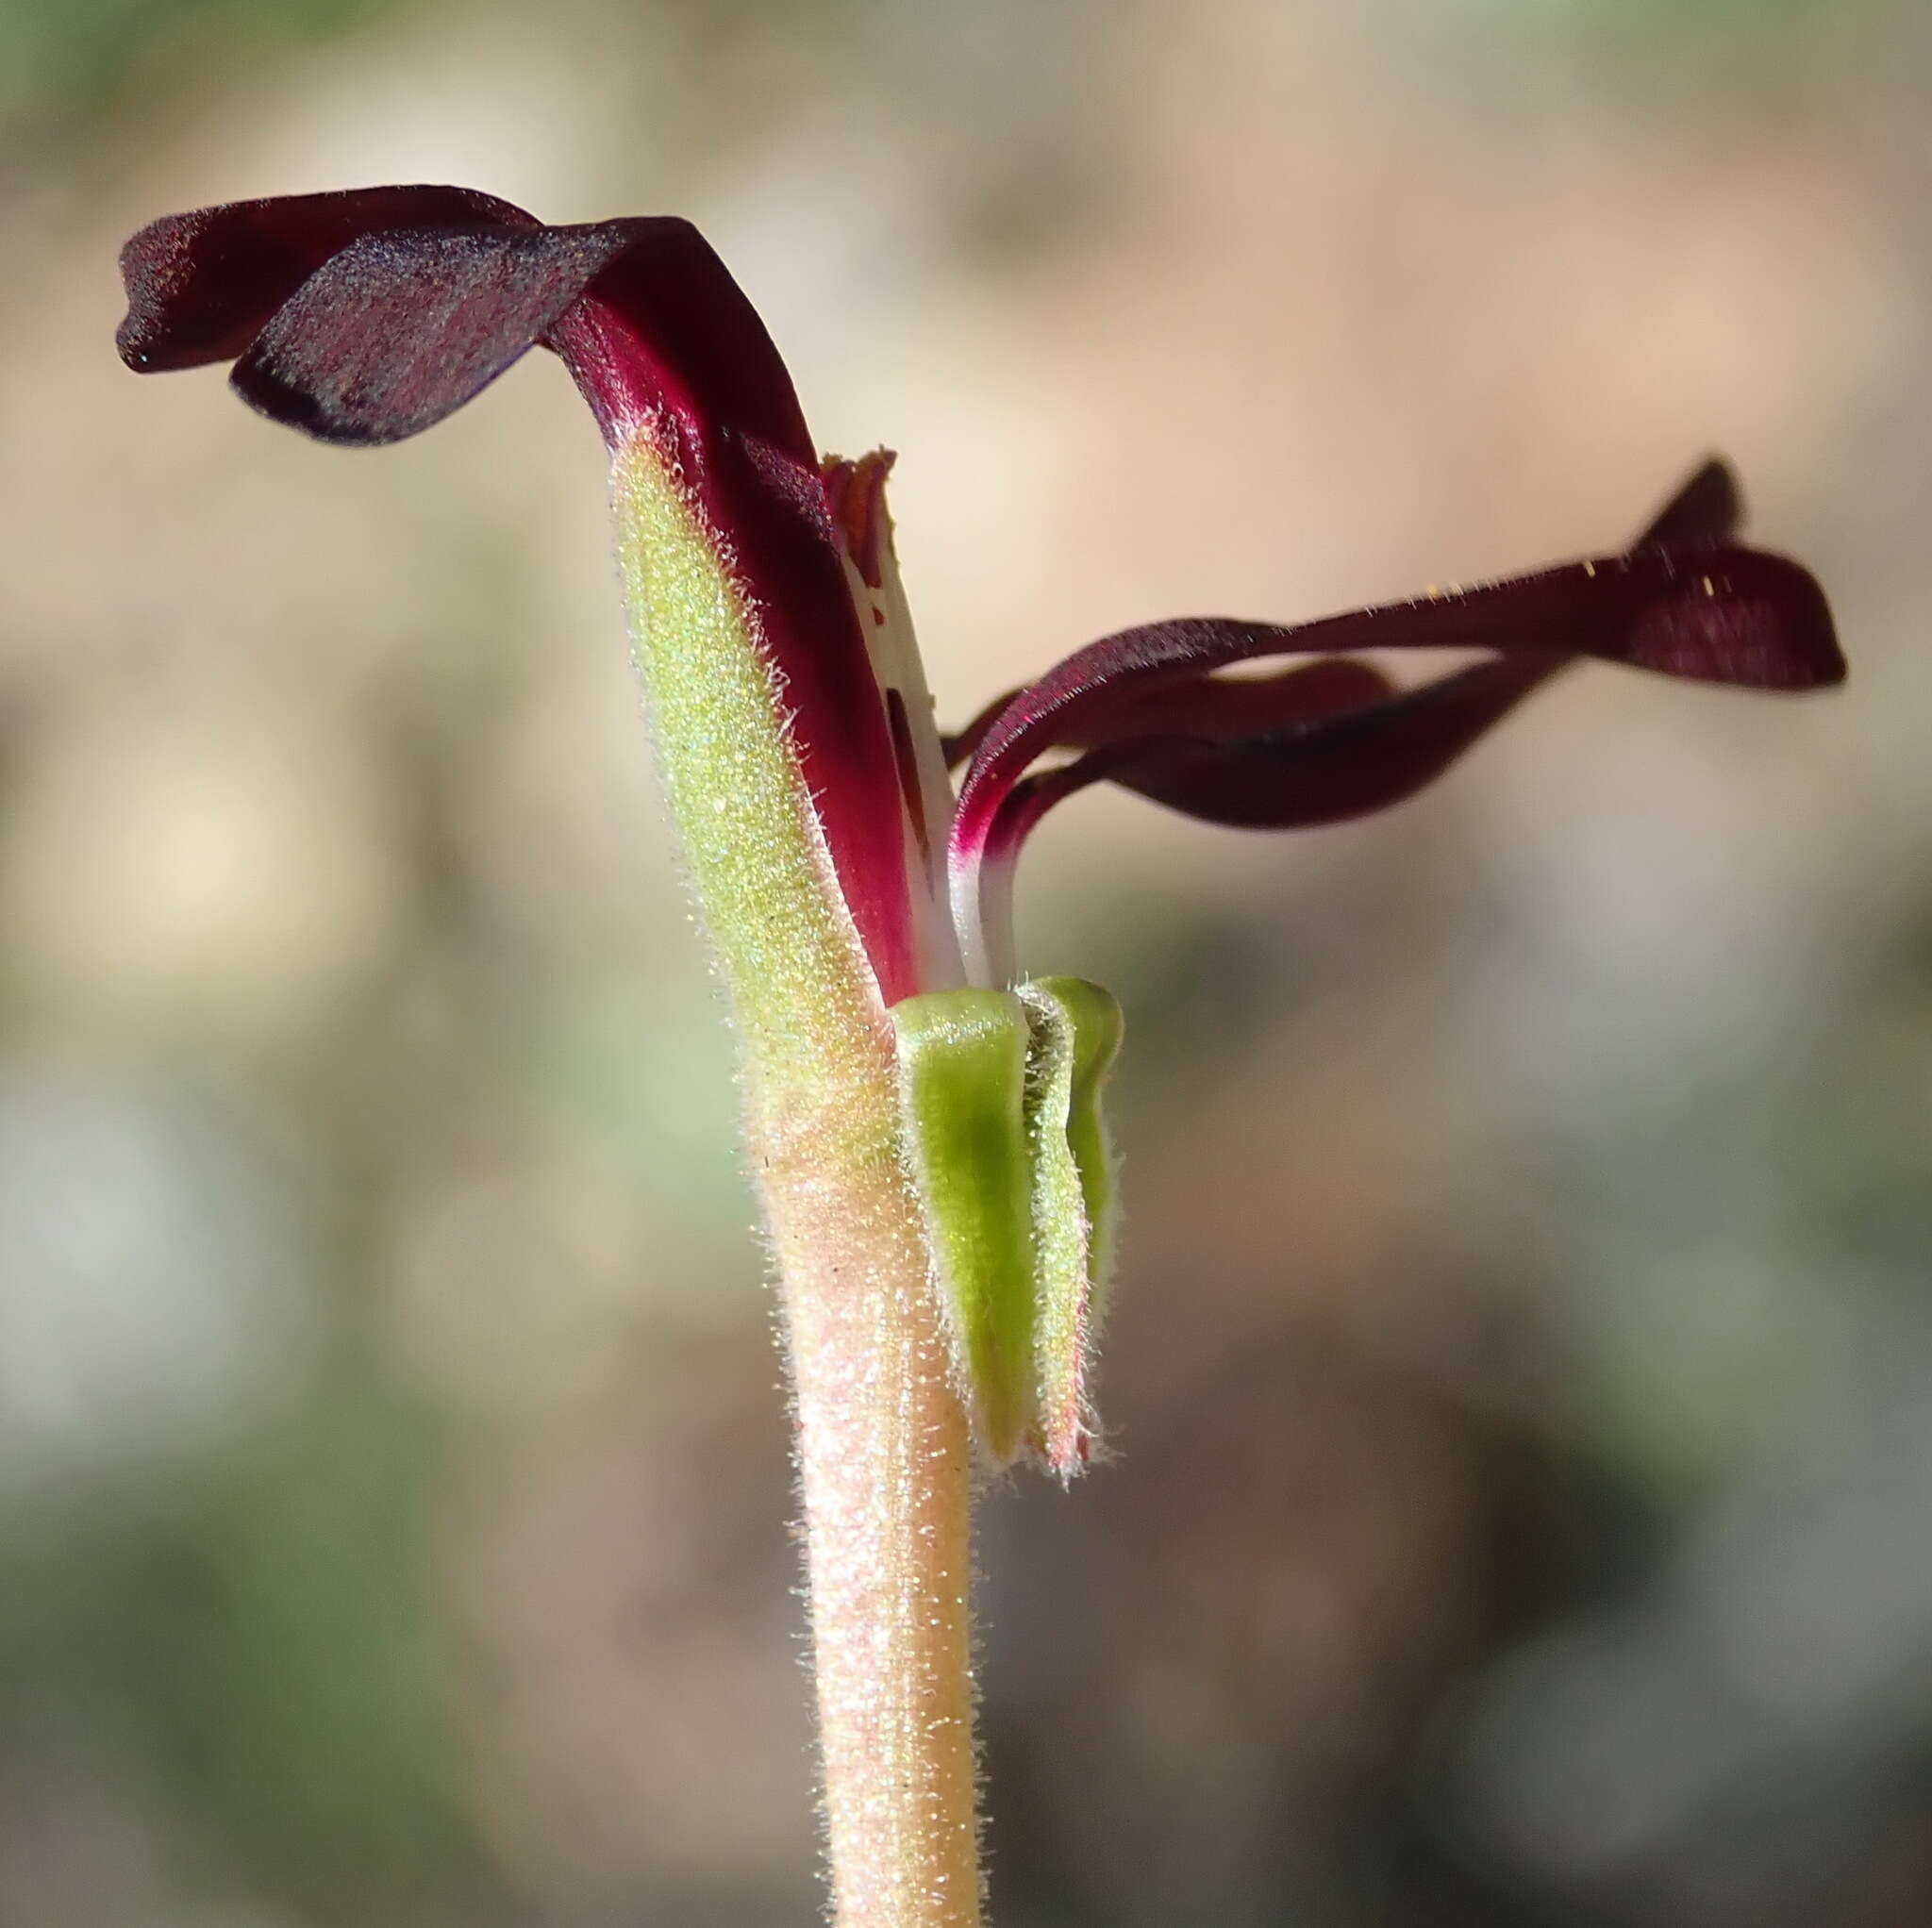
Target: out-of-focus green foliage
x: 1714, y: 48
x: 254, y: 1638
x: 83, y: 57
x: 1746, y: 1223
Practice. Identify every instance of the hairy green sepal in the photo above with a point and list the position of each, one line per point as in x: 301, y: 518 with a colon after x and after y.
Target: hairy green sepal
x: 1075, y: 1038
x: 1000, y: 1102
x: 962, y: 1072
x: 801, y: 991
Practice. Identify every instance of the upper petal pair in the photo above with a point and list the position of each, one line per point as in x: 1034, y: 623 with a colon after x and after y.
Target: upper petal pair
x: 367, y: 316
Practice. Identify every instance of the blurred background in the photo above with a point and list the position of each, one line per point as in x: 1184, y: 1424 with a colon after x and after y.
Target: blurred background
x: 1522, y: 1374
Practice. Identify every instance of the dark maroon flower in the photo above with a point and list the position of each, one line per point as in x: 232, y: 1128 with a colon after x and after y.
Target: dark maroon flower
x: 929, y: 1140
x: 364, y: 317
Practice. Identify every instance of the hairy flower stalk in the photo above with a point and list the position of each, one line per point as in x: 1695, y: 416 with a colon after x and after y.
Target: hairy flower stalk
x: 924, y: 1128
x: 884, y: 1453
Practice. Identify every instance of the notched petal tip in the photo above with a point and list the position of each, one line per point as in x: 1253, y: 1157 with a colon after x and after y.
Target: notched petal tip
x: 202, y: 285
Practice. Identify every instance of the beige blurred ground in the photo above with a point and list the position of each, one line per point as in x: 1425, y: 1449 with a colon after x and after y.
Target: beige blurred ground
x: 1520, y: 1370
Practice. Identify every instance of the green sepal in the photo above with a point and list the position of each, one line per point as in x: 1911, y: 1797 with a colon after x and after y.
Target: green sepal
x: 1000, y: 1109
x: 1076, y: 1037
x: 963, y: 1082
x: 1098, y: 1024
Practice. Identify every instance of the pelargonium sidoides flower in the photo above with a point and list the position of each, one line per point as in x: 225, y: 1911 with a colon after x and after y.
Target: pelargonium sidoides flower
x: 826, y: 839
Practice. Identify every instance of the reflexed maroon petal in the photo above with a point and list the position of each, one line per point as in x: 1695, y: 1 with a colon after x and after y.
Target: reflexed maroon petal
x: 1717, y: 614
x: 201, y: 286
x: 396, y: 330
x: 1383, y: 752
x: 1377, y: 754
